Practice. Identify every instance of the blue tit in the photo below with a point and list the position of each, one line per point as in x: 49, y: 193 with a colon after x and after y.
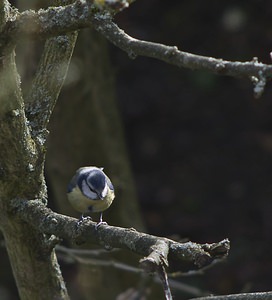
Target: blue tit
x: 90, y: 190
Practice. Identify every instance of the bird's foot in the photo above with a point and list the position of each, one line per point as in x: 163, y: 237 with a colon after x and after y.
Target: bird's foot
x: 100, y: 223
x: 83, y: 219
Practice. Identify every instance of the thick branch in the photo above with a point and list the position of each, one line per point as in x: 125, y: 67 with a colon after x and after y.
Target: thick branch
x: 49, y: 77
x: 55, y: 21
x: 50, y: 22
x: 48, y: 80
x: 46, y: 221
x: 35, y: 270
x: 21, y: 175
x: 4, y: 8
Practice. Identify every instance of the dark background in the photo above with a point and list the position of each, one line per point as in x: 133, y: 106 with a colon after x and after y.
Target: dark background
x: 200, y: 145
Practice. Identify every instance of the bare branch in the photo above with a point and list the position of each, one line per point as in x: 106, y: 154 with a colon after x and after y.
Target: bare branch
x: 59, y: 20
x: 46, y: 221
x: 246, y: 296
x: 165, y: 283
x: 89, y: 257
x: 50, y: 22
x: 5, y: 11
x: 157, y: 257
x: 172, y: 55
x: 48, y: 81
x: 156, y: 262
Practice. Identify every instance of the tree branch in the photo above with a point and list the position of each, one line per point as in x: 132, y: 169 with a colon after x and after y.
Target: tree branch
x: 50, y: 22
x: 48, y: 81
x: 245, y: 296
x: 90, y: 257
x: 59, y: 20
x: 172, y: 55
x: 49, y: 222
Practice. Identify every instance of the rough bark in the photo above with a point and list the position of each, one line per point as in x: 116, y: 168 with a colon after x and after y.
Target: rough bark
x: 22, y: 153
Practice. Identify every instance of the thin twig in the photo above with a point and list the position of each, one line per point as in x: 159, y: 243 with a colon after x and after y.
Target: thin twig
x: 245, y: 296
x: 171, y: 54
x: 164, y: 279
x: 79, y: 256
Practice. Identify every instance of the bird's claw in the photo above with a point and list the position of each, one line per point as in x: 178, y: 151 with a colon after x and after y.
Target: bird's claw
x: 82, y: 219
x: 100, y: 223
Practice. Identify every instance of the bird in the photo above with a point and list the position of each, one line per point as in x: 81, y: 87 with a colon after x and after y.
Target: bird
x: 90, y: 190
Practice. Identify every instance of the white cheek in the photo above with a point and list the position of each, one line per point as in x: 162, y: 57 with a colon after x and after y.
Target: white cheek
x: 87, y: 192
x: 105, y: 191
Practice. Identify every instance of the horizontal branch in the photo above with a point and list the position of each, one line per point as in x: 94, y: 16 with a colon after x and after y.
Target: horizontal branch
x: 172, y: 55
x: 90, y: 257
x: 50, y: 22
x: 56, y: 21
x: 189, y: 253
x: 59, y: 20
x: 245, y: 296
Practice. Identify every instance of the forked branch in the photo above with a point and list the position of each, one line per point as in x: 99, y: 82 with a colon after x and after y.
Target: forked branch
x: 156, y: 250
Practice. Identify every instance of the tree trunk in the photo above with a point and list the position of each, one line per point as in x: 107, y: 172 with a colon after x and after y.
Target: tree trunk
x: 86, y: 130
x: 35, y: 270
x: 31, y: 253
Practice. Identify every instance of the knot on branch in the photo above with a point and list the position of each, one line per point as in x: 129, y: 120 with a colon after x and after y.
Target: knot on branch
x: 220, y: 67
x: 259, y: 84
x: 157, y: 257
x: 218, y: 250
x: 198, y: 255
x: 171, y: 51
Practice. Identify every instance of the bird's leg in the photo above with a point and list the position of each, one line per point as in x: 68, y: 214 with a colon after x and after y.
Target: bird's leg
x: 83, y: 219
x: 100, y: 221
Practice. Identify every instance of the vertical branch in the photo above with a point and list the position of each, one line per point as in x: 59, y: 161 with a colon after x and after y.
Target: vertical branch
x: 21, y: 172
x: 49, y: 78
x: 165, y: 284
x: 4, y: 11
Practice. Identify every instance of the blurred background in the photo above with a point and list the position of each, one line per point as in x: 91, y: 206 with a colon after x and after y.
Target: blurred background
x: 197, y: 147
